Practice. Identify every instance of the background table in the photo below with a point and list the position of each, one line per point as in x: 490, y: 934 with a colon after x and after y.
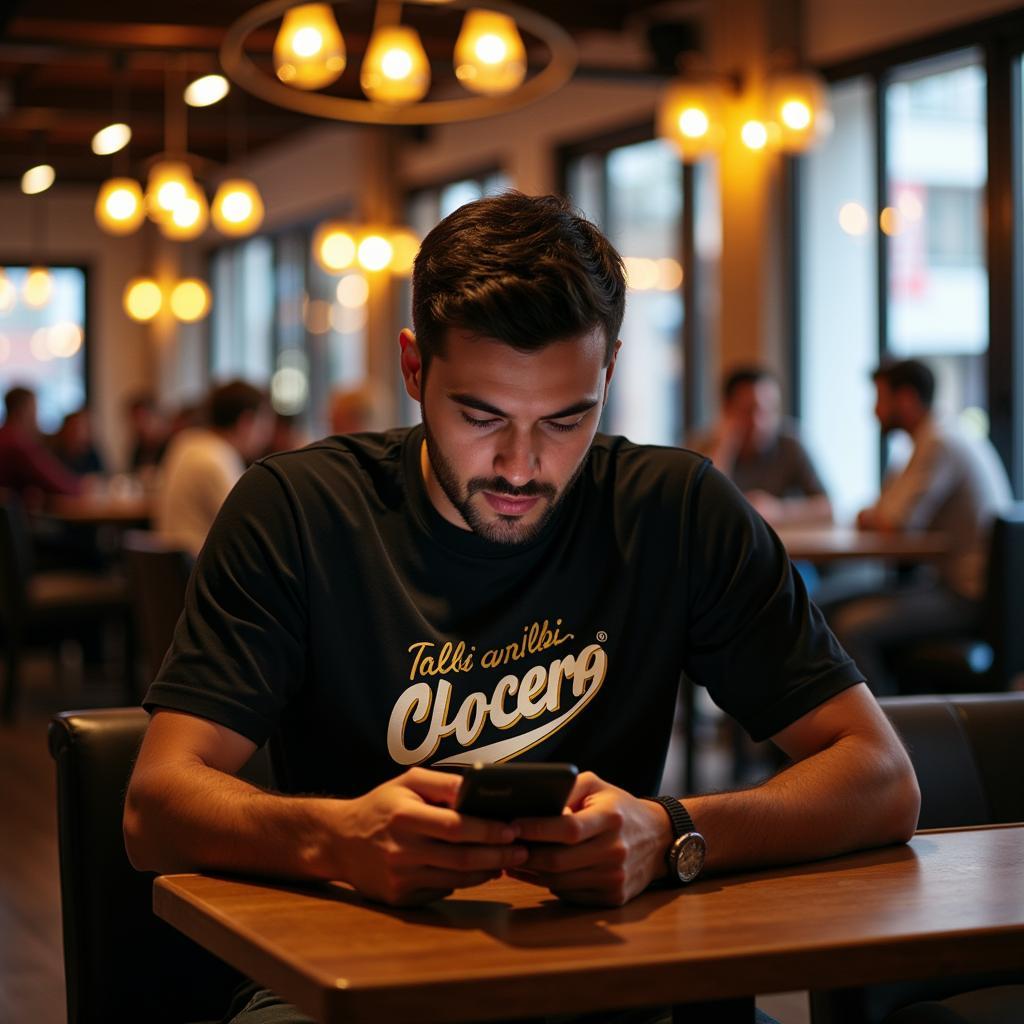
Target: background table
x: 831, y: 543
x: 94, y: 510
x: 950, y: 902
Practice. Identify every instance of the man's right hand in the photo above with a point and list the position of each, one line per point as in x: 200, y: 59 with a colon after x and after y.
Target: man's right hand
x: 403, y: 844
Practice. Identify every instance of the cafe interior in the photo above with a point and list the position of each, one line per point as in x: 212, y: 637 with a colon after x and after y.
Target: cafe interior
x: 819, y: 206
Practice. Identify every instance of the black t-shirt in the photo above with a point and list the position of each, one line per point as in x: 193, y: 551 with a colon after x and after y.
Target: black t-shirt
x: 334, y: 607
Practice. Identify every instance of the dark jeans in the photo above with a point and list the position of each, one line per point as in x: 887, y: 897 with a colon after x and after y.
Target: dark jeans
x: 255, y: 1005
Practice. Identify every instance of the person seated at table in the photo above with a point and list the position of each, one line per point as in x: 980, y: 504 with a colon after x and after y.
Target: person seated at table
x: 498, y: 583
x: 350, y: 410
x: 955, y: 484
x: 762, y: 453
x: 73, y: 445
x: 27, y: 467
x: 285, y: 435
x: 148, y: 433
x: 204, y: 463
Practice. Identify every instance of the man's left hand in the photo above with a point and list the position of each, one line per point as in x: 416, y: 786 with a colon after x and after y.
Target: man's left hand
x: 606, y: 848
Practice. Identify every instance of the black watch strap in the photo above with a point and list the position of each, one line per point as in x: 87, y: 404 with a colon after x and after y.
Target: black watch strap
x: 678, y: 815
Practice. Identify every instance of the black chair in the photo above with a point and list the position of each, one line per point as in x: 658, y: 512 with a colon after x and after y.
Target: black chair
x: 157, y: 577
x: 968, y: 753
x: 122, y: 964
x: 992, y: 657
x: 46, y: 607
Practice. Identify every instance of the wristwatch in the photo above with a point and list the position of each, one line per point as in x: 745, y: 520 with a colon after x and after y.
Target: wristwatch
x: 686, y: 852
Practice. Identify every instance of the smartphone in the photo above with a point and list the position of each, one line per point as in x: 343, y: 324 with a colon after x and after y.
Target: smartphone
x: 507, y: 791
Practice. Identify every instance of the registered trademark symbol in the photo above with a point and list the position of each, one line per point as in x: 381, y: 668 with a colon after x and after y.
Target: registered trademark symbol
x: 602, y: 636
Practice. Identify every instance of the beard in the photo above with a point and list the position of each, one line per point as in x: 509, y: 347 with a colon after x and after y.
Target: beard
x: 503, y: 529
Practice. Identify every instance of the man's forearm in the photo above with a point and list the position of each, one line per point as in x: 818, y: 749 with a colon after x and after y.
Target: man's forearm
x: 849, y: 796
x: 214, y: 821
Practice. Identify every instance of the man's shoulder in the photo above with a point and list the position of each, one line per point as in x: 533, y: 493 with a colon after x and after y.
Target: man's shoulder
x: 635, y: 469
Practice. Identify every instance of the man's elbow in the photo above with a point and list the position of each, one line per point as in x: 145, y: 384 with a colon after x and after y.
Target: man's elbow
x: 137, y: 831
x: 904, y: 805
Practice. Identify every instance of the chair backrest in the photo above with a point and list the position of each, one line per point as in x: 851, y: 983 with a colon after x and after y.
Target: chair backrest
x: 121, y: 963
x: 968, y: 755
x: 15, y: 559
x: 157, y: 576
x: 1004, y: 598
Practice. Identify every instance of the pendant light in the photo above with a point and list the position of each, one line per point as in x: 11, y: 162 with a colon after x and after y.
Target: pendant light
x: 395, y: 69
x: 142, y: 299
x: 690, y: 116
x: 190, y: 300
x: 120, y: 208
x: 189, y: 216
x: 489, y: 54
x: 798, y: 101
x: 309, y: 52
x: 237, y: 208
x: 334, y: 246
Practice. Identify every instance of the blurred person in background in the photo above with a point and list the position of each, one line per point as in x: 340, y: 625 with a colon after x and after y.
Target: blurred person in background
x: 27, y: 467
x: 147, y: 433
x: 204, y: 463
x: 286, y: 435
x: 73, y: 445
x: 761, y: 452
x: 350, y: 410
x: 955, y: 484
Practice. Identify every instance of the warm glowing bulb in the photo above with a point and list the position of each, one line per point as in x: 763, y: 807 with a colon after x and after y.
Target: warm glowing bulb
x: 691, y: 115
x: 890, y: 220
x: 796, y: 115
x: 111, y: 139
x: 169, y: 183
x: 694, y: 123
x: 190, y: 300
x: 237, y: 208
x: 395, y: 68
x: 206, y: 91
x: 8, y: 293
x: 405, y: 245
x: 189, y: 216
x: 37, y: 179
x: 142, y: 299
x: 309, y: 51
x: 853, y: 218
x: 489, y: 54
x: 334, y: 247
x: 754, y: 135
x: 375, y: 252
x: 670, y: 274
x: 641, y: 273
x: 38, y: 287
x: 119, y: 208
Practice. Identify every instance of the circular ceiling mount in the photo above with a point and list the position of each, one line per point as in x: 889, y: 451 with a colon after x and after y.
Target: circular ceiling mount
x: 241, y: 69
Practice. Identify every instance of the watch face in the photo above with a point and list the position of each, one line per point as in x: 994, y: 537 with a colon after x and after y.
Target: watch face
x: 689, y: 853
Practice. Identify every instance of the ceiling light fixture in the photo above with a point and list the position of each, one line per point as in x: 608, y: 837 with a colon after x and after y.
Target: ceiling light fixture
x: 489, y: 59
x: 37, y: 179
x: 111, y: 139
x: 205, y: 91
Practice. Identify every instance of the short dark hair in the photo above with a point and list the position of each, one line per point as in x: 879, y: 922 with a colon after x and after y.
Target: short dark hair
x: 16, y: 399
x: 527, y: 270
x: 229, y: 402
x: 908, y: 373
x: 742, y: 375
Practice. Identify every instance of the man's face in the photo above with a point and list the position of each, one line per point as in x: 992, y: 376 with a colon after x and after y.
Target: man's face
x: 506, y: 431
x: 756, y: 407
x: 886, y: 407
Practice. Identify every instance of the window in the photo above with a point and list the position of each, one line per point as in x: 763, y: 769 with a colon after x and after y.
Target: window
x: 900, y: 214
x: 838, y: 308
x: 636, y: 192
x: 44, y: 348
x: 279, y: 320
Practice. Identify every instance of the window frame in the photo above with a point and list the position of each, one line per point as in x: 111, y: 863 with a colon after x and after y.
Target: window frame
x: 1000, y: 40
x: 696, y: 387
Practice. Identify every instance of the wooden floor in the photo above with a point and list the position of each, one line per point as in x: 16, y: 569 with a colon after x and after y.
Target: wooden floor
x: 31, y: 953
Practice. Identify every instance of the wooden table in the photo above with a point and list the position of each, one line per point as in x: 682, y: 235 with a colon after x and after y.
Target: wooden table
x: 950, y: 902
x: 103, y: 511
x: 832, y: 543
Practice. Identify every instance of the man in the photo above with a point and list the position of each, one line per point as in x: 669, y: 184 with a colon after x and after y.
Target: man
x: 26, y: 466
x: 954, y: 484
x: 761, y: 454
x: 204, y: 463
x: 498, y: 583
x: 73, y: 445
x: 148, y: 433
